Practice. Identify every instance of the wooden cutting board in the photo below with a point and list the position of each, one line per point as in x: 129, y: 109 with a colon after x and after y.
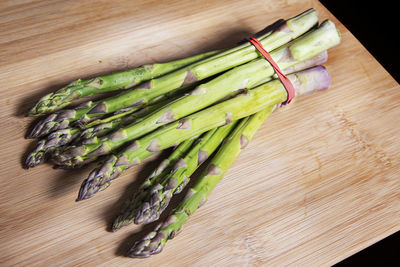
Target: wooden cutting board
x: 319, y: 182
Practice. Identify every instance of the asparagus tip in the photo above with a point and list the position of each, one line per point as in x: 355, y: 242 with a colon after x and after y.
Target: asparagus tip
x: 116, y: 226
x: 34, y: 112
x: 83, y: 193
x: 96, y: 182
x: 31, y: 161
x: 119, y: 222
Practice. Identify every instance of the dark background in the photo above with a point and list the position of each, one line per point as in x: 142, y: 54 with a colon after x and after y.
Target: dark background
x: 376, y: 25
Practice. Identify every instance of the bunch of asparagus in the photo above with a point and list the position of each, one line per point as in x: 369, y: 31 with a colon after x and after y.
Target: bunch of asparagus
x: 208, y: 104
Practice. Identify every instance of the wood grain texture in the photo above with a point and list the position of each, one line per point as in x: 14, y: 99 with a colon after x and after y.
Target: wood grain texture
x: 319, y: 182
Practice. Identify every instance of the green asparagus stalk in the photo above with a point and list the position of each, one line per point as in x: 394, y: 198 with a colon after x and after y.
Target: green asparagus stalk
x: 110, y: 82
x: 243, y: 105
x: 155, y: 199
x: 245, y: 76
x: 154, y: 242
x: 164, y: 167
x: 142, y: 93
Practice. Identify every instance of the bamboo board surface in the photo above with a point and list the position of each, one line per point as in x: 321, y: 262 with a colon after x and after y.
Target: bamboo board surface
x: 319, y: 182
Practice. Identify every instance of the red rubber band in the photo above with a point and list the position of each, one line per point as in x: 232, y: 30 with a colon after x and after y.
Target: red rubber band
x: 285, y: 80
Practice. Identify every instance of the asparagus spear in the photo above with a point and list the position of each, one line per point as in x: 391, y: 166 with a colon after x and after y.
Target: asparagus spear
x: 155, y: 199
x: 245, y: 76
x: 110, y: 82
x: 155, y: 241
x: 144, y: 92
x: 243, y: 105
